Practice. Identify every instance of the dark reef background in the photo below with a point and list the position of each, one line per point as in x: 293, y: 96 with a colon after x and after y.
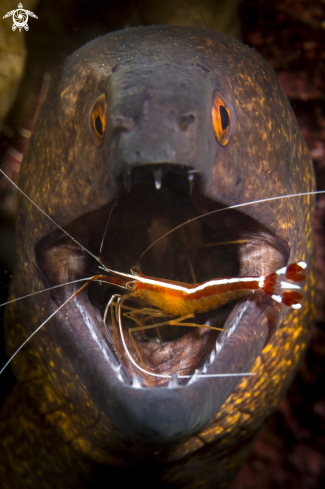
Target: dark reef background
x: 290, y: 452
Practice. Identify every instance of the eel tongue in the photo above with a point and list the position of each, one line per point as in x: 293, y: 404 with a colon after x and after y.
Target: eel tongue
x: 164, y: 414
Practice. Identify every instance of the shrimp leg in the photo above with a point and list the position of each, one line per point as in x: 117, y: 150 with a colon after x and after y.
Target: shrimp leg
x: 152, y: 313
x: 112, y: 307
x: 172, y: 322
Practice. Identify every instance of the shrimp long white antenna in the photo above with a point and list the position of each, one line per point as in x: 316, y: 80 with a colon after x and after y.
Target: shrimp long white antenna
x: 120, y: 301
x: 105, y: 230
x: 236, y: 206
x: 41, y: 326
x: 52, y: 220
x: 44, y: 290
x: 58, y: 225
x: 97, y: 278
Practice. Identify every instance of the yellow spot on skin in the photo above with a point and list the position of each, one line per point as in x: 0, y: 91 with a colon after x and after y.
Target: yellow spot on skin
x: 267, y: 348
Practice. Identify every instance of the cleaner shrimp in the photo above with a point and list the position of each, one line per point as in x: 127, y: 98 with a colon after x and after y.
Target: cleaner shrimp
x: 174, y: 303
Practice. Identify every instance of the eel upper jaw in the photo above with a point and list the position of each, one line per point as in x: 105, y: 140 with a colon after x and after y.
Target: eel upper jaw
x: 177, y: 407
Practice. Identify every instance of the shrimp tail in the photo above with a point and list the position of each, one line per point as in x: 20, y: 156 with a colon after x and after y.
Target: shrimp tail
x: 282, y: 285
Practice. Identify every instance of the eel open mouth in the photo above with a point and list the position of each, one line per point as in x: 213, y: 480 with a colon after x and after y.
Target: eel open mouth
x: 153, y: 200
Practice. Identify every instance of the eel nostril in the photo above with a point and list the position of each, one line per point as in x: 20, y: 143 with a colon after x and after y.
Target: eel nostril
x: 185, y: 121
x: 124, y: 123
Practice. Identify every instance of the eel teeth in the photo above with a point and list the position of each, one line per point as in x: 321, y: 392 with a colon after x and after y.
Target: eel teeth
x: 173, y: 383
x: 194, y: 377
x: 136, y: 382
x: 119, y: 373
x: 158, y: 177
x: 191, y: 180
x: 212, y: 356
x: 205, y: 368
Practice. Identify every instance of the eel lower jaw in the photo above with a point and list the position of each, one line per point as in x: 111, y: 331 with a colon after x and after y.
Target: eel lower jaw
x: 172, y: 411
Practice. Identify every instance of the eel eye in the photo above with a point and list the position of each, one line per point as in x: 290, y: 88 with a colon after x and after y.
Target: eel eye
x: 221, y: 119
x: 131, y: 286
x: 98, y: 119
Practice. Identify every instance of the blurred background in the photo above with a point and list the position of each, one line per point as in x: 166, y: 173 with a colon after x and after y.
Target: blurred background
x: 290, y: 35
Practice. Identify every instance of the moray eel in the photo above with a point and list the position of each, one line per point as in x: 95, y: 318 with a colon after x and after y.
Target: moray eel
x: 169, y: 123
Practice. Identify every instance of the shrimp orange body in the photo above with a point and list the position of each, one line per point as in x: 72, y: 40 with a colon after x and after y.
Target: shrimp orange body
x: 180, y: 299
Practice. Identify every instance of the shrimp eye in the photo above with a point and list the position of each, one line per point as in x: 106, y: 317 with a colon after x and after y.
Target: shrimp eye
x: 98, y: 119
x: 131, y: 286
x: 135, y: 270
x: 221, y: 119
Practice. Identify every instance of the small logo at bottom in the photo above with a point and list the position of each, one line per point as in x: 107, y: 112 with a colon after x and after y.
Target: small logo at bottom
x: 20, y: 18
